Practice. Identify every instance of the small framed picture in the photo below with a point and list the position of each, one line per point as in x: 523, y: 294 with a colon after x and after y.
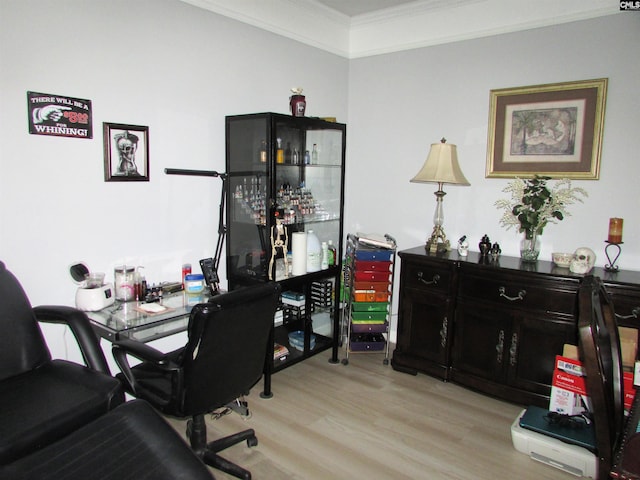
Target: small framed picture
x: 553, y: 130
x: 126, y: 153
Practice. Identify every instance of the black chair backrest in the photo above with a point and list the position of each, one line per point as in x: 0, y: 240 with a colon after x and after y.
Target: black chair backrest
x: 601, y: 357
x: 22, y: 345
x: 226, y: 351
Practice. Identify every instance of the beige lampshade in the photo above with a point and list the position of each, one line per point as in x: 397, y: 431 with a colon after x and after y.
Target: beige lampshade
x: 441, y: 166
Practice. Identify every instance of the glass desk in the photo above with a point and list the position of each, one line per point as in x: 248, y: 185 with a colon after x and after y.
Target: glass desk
x: 125, y: 319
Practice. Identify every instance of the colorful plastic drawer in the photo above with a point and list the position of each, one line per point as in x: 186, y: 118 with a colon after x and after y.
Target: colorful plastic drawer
x: 362, y: 265
x: 377, y: 286
x: 363, y: 342
x: 380, y: 316
x: 370, y: 296
x: 370, y: 306
x: 376, y: 255
x: 372, y: 276
x: 369, y: 327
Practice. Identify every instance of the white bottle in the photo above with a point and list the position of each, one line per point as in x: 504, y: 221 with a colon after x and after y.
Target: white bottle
x: 314, y: 252
x: 324, y: 263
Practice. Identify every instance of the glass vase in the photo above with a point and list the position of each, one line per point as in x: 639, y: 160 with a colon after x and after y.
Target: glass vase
x: 530, y: 248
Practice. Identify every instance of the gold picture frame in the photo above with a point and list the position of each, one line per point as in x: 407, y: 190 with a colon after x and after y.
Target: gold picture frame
x: 553, y: 130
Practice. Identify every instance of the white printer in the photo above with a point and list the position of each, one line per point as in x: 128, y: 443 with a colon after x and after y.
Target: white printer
x: 572, y: 458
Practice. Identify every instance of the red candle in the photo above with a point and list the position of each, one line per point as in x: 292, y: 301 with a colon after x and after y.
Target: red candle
x: 615, y: 230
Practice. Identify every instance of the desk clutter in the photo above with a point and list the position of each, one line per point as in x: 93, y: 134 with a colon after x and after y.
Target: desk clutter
x: 130, y: 285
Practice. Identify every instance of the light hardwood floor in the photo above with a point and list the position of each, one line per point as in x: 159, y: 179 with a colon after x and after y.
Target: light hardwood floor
x: 366, y: 421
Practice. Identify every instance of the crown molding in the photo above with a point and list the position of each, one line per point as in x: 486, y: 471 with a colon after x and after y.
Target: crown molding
x: 423, y: 27
x: 419, y: 24
x: 303, y: 20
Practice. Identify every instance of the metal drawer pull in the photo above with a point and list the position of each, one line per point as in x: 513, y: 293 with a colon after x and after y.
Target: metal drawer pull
x: 520, y: 296
x: 634, y: 314
x: 513, y: 351
x: 500, y: 346
x: 434, y: 280
x: 443, y: 332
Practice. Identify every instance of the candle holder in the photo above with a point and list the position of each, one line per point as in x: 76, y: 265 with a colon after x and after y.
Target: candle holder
x: 611, y: 266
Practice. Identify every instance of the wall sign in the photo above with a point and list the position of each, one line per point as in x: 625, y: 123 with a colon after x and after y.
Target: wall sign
x: 59, y: 115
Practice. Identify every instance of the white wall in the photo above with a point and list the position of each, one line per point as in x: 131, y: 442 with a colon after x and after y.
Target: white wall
x: 173, y: 67
x: 400, y: 103
x: 180, y: 70
x: 161, y: 63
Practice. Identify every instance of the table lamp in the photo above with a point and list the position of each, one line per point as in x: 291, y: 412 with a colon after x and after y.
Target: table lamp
x: 441, y: 166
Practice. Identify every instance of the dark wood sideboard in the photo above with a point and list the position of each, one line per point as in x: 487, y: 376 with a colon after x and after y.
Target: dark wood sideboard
x: 495, y: 326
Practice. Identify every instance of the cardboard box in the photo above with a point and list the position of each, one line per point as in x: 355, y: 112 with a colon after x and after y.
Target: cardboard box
x: 568, y: 387
x: 629, y: 390
x: 628, y: 346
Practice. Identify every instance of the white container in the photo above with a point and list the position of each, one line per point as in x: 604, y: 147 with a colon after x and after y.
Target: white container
x: 299, y: 253
x: 194, y: 283
x: 124, y: 280
x: 314, y: 253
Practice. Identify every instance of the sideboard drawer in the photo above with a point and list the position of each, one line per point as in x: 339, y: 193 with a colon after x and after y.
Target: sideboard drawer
x: 537, y: 295
x: 426, y: 277
x: 626, y: 302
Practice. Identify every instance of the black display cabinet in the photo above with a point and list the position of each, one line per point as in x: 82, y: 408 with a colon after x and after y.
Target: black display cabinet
x: 285, y: 176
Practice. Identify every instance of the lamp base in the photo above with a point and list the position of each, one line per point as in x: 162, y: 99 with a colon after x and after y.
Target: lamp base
x: 437, y: 242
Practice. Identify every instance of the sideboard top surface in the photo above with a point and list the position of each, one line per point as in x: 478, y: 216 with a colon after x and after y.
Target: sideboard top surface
x: 504, y: 262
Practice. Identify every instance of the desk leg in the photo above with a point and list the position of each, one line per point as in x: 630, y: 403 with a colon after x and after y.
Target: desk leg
x: 268, y: 367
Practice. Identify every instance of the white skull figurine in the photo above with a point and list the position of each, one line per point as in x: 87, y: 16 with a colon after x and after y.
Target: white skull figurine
x: 583, y: 260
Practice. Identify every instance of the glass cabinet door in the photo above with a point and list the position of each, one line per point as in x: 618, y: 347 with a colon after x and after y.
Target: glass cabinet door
x: 285, y: 176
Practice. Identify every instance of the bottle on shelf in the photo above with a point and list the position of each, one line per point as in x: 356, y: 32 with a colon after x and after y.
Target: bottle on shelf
x: 288, y: 155
x: 307, y: 157
x: 263, y: 151
x: 314, y: 252
x: 314, y: 154
x: 332, y: 253
x: 324, y: 263
x: 279, y: 151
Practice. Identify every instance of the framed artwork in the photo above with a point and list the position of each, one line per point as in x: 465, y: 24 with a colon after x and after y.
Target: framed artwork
x: 553, y: 130
x: 126, y: 153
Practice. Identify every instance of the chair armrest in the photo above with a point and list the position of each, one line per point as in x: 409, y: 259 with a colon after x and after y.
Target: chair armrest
x: 127, y: 347
x: 141, y: 351
x: 80, y: 326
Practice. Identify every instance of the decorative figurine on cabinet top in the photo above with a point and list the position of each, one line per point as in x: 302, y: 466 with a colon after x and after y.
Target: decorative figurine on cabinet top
x: 463, y: 246
x: 485, y: 246
x: 495, y: 251
x: 297, y: 102
x: 583, y: 260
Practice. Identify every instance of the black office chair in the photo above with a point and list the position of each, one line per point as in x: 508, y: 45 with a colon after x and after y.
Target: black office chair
x: 599, y: 347
x: 223, y: 358
x: 41, y: 399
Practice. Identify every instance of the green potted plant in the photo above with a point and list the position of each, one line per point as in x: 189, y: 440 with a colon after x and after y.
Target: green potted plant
x: 533, y: 205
